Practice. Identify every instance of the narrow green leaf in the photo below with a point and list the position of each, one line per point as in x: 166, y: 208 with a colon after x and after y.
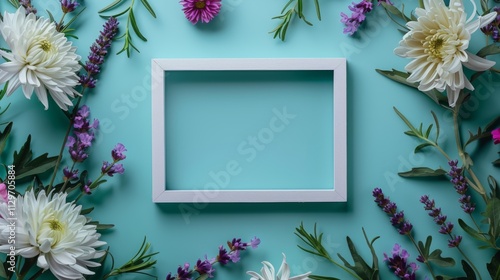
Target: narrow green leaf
x: 472, y: 232
x: 421, y: 146
x: 4, y: 136
x: 118, y: 14
x: 496, y: 162
x: 300, y: 8
x: 398, y: 76
x: 110, y: 6
x: 437, y: 125
x: 135, y: 27
x: 423, y: 172
x: 428, y: 132
x: 86, y: 211
x: 470, y: 275
x: 286, y: 5
x: 148, y: 7
x: 317, y: 277
x: 24, y: 154
x: 395, y: 11
x: 3, y: 274
x: 318, y: 9
x: 492, y: 213
x: 406, y: 121
x: 202, y: 277
x: 494, y: 266
x: 489, y: 50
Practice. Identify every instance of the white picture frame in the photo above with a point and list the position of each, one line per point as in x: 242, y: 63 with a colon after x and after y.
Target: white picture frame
x: 338, y: 192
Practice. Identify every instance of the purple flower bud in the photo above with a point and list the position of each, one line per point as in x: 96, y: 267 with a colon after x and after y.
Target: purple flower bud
x: 223, y: 258
x: 118, y: 152
x: 69, y: 6
x: 204, y: 267
x: 70, y: 175
x: 455, y: 242
x: 254, y: 242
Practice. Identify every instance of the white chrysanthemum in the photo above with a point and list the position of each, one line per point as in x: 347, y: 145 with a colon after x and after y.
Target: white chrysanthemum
x: 437, y: 42
x: 267, y: 272
x: 42, y: 59
x: 53, y: 231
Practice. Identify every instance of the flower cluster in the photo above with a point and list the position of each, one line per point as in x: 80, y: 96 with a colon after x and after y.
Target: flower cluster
x: 53, y: 232
x: 98, y: 51
x: 397, y: 217
x: 493, y: 29
x: 112, y: 168
x: 205, y: 267
x: 440, y: 219
x: 357, y: 17
x: 461, y: 187
x: 398, y: 263
x: 200, y: 10
x: 69, y: 6
x: 83, y: 135
x: 27, y: 5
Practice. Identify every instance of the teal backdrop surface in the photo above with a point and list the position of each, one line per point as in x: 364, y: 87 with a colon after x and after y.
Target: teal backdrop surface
x: 377, y: 148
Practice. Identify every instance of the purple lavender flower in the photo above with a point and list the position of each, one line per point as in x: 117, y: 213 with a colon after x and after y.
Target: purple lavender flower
x: 254, y: 242
x: 70, y: 175
x: 83, y: 135
x: 204, y: 10
x: 97, y: 52
x: 460, y: 183
x: 86, y: 187
x: 398, y: 263
x: 493, y: 28
x: 27, y: 6
x: 359, y: 11
x: 204, y: 267
x: 183, y: 272
x: 390, y: 208
x: 112, y: 169
x: 440, y: 219
x: 118, y: 152
x: 223, y: 257
x: 69, y: 6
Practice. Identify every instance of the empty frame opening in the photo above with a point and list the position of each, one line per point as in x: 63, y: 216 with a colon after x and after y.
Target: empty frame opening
x: 248, y: 130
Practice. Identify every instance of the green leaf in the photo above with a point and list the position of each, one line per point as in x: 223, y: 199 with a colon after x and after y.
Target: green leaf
x: 3, y: 274
x: 100, y: 226
x: 148, y: 7
x: 395, y: 11
x: 483, y: 133
x: 470, y: 275
x: 398, y: 76
x: 202, y: 277
x: 135, y: 27
x: 318, y: 9
x: 492, y: 213
x: 25, y: 166
x: 489, y: 50
x: 423, y: 172
x: 437, y: 125
x: 421, y: 146
x: 471, y: 231
x: 360, y: 267
x: 4, y: 135
x: 496, y: 162
x: 435, y: 257
x: 86, y: 211
x: 317, y: 277
x: 494, y: 266
x: 110, y: 6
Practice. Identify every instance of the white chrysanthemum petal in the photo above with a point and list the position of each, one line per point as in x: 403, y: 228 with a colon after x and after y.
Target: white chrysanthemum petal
x: 437, y: 44
x: 42, y: 59
x: 267, y: 272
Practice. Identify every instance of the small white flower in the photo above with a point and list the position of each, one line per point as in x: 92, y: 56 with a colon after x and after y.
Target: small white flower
x: 437, y: 42
x: 41, y: 59
x: 53, y: 231
x: 267, y: 272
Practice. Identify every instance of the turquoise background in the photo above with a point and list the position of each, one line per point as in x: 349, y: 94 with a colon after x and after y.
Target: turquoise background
x: 377, y: 147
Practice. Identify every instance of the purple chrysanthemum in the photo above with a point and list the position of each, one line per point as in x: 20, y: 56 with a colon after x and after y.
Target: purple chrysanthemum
x: 204, y: 10
x: 359, y: 10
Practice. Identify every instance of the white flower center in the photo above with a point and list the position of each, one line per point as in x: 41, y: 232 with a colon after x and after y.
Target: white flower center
x: 435, y: 46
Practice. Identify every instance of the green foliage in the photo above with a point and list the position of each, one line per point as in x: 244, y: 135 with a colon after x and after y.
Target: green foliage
x: 359, y: 270
x: 25, y: 166
x: 292, y: 8
x: 4, y: 135
x: 141, y: 261
x: 483, y: 133
x: 494, y: 266
x: 132, y: 27
x: 434, y: 256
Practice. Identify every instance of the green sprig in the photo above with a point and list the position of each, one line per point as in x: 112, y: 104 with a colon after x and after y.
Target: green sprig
x: 288, y: 14
x: 132, y: 27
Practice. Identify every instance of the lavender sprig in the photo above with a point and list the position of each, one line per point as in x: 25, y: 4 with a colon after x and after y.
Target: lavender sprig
x: 205, y: 267
x: 399, y: 264
x: 358, y: 16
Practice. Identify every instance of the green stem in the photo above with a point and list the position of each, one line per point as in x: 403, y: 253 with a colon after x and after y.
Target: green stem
x: 470, y: 262
x: 343, y: 267
x: 61, y: 151
x: 28, y: 263
x: 475, y: 183
x: 37, y: 274
x: 426, y: 262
